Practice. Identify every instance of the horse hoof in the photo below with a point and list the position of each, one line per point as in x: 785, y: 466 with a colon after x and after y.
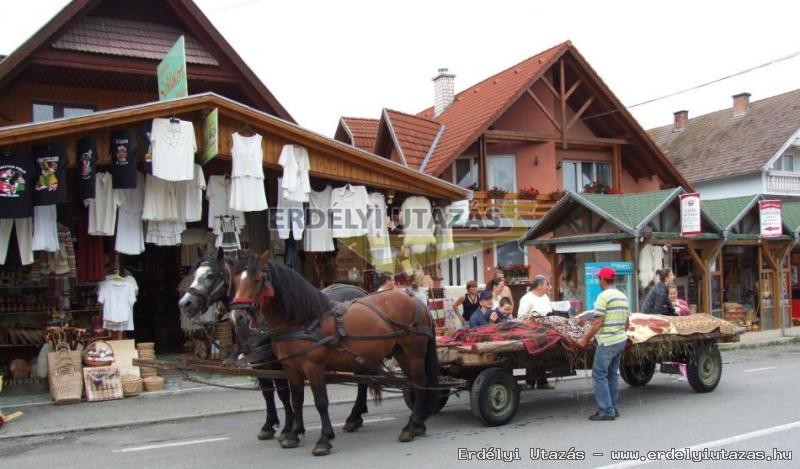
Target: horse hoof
x: 321, y: 450
x: 281, y: 437
x: 266, y: 435
x: 289, y: 443
x: 406, y: 436
x: 352, y: 425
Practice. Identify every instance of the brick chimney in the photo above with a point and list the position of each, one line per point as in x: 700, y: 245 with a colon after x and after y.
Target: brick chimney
x: 443, y: 85
x: 681, y: 119
x: 741, y: 104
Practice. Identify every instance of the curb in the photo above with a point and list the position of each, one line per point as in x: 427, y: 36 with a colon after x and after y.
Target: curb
x: 765, y: 343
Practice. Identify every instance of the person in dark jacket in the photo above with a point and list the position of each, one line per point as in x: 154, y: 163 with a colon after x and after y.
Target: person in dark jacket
x: 482, y: 315
x: 657, y: 299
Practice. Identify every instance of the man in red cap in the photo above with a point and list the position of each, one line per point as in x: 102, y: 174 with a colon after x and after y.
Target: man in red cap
x: 611, y: 311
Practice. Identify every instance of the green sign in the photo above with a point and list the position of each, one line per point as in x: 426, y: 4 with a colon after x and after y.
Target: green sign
x: 172, y: 73
x: 211, y: 136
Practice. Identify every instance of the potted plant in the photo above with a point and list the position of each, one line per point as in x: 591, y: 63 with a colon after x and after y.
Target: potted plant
x: 596, y: 187
x: 529, y: 193
x: 557, y: 194
x: 516, y: 272
x: 497, y: 192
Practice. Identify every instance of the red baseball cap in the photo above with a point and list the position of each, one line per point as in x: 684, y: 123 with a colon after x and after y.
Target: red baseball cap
x: 606, y: 273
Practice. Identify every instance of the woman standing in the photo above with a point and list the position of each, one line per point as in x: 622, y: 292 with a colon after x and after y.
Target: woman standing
x: 469, y: 300
x: 657, y: 299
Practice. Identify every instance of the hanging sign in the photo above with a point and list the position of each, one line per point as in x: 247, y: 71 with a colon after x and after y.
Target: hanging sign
x: 690, y: 214
x: 770, y: 218
x: 172, y: 73
x: 211, y: 136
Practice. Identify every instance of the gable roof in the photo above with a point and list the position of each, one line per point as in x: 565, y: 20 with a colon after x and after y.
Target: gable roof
x: 720, y: 145
x: 414, y: 138
x: 727, y: 212
x: 791, y: 216
x: 185, y: 10
x: 357, y: 131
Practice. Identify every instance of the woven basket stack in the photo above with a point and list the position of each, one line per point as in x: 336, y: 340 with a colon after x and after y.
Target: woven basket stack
x: 147, y: 351
x: 223, y: 333
x: 131, y: 385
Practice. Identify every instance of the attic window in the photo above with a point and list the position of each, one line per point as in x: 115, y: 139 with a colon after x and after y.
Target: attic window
x: 42, y: 112
x: 788, y: 162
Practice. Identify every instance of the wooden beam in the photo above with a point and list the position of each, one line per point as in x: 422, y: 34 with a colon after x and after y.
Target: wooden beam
x: 573, y: 87
x: 544, y: 109
x: 549, y: 86
x: 562, y: 85
x: 482, y: 164
x: 555, y: 274
x: 616, y: 152
x: 580, y: 112
x: 526, y: 136
x: 690, y: 248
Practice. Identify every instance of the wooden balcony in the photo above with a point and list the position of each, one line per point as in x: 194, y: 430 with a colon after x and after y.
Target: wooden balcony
x: 510, y: 205
x: 782, y: 182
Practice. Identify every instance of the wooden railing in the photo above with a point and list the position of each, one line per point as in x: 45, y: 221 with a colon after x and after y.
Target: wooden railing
x: 784, y: 183
x: 509, y: 205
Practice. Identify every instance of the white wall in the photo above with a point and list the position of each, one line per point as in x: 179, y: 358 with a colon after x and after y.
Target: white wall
x: 730, y: 187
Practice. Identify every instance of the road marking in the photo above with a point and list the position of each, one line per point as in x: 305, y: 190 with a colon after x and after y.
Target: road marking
x: 381, y: 419
x: 717, y: 443
x: 171, y: 445
x: 753, y: 370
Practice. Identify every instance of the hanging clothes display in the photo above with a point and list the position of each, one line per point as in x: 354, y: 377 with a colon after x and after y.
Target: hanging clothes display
x: 190, y: 196
x: 160, y: 199
x: 348, y: 210
x: 318, y: 232
x: 164, y: 232
x: 16, y: 181
x: 378, y: 233
x: 90, y: 255
x: 295, y: 183
x: 118, y: 295
x: 50, y: 186
x: 87, y: 161
x: 444, y: 235
x: 45, y: 229
x: 289, y: 217
x: 218, y: 193
x: 63, y: 261
x: 123, y: 150
x: 417, y: 221
x: 103, y: 208
x: 228, y: 239
x: 651, y: 258
x: 247, y: 176
x: 130, y: 236
x: 24, y: 231
x: 173, y: 145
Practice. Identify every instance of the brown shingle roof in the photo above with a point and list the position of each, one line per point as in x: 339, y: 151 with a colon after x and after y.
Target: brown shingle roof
x: 362, y: 131
x: 720, y: 145
x: 113, y: 36
x: 415, y: 135
x: 475, y: 108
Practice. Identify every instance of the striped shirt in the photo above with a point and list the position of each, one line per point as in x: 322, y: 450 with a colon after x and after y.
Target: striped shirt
x: 612, y: 305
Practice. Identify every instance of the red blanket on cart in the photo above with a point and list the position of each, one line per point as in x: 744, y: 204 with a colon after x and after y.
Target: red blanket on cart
x: 536, y: 337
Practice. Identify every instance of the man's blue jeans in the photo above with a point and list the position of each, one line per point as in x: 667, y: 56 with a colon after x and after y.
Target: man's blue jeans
x: 605, y: 376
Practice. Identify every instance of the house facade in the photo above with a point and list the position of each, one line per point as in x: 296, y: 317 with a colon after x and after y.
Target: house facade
x: 544, y: 125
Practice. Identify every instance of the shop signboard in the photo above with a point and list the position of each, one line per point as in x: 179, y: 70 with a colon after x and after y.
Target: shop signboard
x: 172, y: 73
x: 690, y: 214
x: 770, y: 218
x: 624, y: 281
x: 211, y: 136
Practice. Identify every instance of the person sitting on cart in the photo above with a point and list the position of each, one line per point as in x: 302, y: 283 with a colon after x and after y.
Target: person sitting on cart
x: 657, y: 299
x: 680, y: 305
x: 502, y: 313
x: 482, y: 315
x: 535, y: 302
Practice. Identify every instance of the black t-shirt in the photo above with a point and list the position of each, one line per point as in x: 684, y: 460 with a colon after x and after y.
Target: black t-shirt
x: 87, y: 161
x: 123, y: 159
x: 16, y: 185
x: 50, y: 185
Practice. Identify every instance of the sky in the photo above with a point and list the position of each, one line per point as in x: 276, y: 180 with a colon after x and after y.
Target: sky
x: 326, y: 59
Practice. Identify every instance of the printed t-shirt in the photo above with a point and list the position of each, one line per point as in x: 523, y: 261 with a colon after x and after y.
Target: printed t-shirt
x: 87, y: 161
x: 16, y: 185
x: 50, y: 185
x: 123, y: 159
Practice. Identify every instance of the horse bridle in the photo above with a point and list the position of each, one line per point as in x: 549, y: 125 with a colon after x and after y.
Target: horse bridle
x: 254, y: 305
x: 224, y: 280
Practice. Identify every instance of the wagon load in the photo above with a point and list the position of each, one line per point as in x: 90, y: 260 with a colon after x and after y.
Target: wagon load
x: 644, y: 327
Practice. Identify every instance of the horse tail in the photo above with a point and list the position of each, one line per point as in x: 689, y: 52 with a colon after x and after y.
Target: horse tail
x: 377, y: 393
x: 432, y: 372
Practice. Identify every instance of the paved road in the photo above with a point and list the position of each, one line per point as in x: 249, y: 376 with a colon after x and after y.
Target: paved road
x: 755, y: 408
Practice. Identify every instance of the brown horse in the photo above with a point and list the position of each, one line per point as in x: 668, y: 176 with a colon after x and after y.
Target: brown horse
x: 310, y: 337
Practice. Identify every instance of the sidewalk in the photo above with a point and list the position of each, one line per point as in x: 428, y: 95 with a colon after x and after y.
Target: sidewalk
x: 754, y: 339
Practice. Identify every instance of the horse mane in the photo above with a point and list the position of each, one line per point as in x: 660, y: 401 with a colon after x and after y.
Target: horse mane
x: 298, y: 301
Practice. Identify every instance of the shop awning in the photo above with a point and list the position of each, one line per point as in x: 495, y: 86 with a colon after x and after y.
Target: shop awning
x: 739, y: 220
x: 329, y: 158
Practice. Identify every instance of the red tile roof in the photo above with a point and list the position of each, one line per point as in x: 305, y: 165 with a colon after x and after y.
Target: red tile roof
x: 720, y: 145
x: 477, y: 107
x: 415, y: 135
x: 112, y: 36
x: 362, y: 132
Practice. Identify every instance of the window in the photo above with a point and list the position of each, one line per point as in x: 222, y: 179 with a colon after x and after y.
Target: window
x: 49, y: 111
x: 788, y: 162
x: 509, y: 254
x: 502, y: 172
x: 580, y: 173
x: 465, y: 172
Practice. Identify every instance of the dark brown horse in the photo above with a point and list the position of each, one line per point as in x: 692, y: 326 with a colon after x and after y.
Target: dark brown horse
x: 310, y: 336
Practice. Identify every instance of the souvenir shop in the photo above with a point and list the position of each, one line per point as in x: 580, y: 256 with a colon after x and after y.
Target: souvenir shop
x: 104, y: 216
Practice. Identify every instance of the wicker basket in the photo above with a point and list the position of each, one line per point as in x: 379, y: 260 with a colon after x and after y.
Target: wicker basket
x: 66, y: 381
x: 146, y: 346
x: 98, y: 353
x: 147, y: 372
x: 146, y: 355
x: 153, y: 383
x: 131, y: 385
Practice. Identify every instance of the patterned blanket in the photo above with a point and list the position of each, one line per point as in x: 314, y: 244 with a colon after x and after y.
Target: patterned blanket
x: 536, y: 337
x: 644, y: 326
x: 571, y: 329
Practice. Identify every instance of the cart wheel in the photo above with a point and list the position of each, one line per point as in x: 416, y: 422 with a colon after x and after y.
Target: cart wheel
x: 408, y: 398
x: 704, y: 369
x: 494, y: 397
x: 637, y: 375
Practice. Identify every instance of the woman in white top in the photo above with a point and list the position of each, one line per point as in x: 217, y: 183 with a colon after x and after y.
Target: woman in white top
x: 535, y: 302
